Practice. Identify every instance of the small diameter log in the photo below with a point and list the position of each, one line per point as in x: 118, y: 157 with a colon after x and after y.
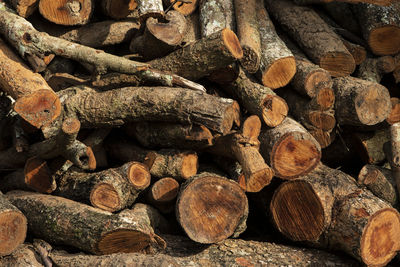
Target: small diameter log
x: 248, y: 34
x: 13, y: 225
x: 162, y: 194
x: 95, y: 141
x: 277, y: 63
x: 169, y: 135
x: 211, y: 208
x: 358, y: 52
x: 192, y: 29
x: 35, y: 102
x: 63, y: 221
x: 257, y: 99
x: 180, y: 165
x: 304, y: 25
x: 394, y: 115
x: 380, y: 182
x: 160, y: 38
x: 24, y: 8
x: 324, y: 99
x: 76, y: 12
x: 373, y: 69
x: 360, y: 102
x: 111, y: 190
x: 344, y: 216
x: 369, y: 146
x: 395, y: 151
x: 380, y: 27
x: 202, y: 57
x: 118, y: 9
x: 150, y: 8
x: 324, y: 138
x: 216, y: 16
x: 116, y: 107
x: 289, y: 149
x: 185, y: 7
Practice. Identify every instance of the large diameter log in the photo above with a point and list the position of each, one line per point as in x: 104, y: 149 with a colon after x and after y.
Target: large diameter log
x: 118, y: 9
x: 380, y: 27
x: 211, y: 208
x: 25, y: 8
x: 202, y: 57
x: 13, y: 227
x: 76, y: 12
x: 289, y: 149
x: 304, y: 25
x: 277, y: 63
x: 35, y: 100
x: 184, y: 7
x: 360, y: 102
x: 63, y: 221
x: 162, y: 194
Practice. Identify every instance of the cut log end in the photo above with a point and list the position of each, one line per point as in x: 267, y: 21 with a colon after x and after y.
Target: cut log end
x: 394, y: 115
x: 250, y: 60
x: 139, y: 175
x: 210, y: 208
x: 296, y: 154
x: 381, y: 238
x: 71, y: 126
x: 257, y: 181
x: 89, y: 159
x: 368, y: 175
x: 232, y: 43
x: 297, y: 211
x: 251, y: 127
x: 280, y: 73
x: 314, y: 79
x: 275, y: 110
x: 325, y: 98
x: 322, y: 120
x: 13, y: 227
x: 124, y: 241
x: 105, y: 197
x: 189, y: 165
x: 38, y: 176
x: 185, y: 8
x: 385, y: 40
x: 75, y: 12
x: 338, y: 64
x: 165, y: 190
x: 324, y: 138
x: 39, y: 108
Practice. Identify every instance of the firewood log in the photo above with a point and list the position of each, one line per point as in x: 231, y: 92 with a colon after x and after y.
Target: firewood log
x: 324, y: 138
x: 13, y: 226
x: 192, y: 28
x: 394, y: 115
x: 369, y: 145
x: 324, y: 98
x: 63, y: 221
x: 302, y: 23
x: 24, y: 256
x: 124, y: 150
x: 77, y: 12
x: 343, y: 15
x: 277, y: 63
x: 289, y: 149
x: 162, y: 194
x: 118, y: 9
x: 150, y: 8
x: 216, y: 16
x: 380, y: 27
x: 373, y: 69
x: 375, y: 2
x: 95, y: 141
x: 211, y: 208
x: 25, y: 8
x: 358, y: 52
x: 186, y: 7
x: 360, y: 102
x: 35, y: 102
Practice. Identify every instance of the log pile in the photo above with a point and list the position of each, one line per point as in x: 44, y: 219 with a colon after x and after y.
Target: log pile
x: 199, y: 132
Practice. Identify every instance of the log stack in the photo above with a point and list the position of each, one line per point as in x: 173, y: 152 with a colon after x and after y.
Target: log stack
x: 127, y: 125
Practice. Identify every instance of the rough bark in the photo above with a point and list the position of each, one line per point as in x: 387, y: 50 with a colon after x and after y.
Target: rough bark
x: 277, y: 63
x: 63, y: 221
x: 375, y: 2
x: 314, y: 36
x: 192, y: 29
x: 76, y: 12
x: 369, y: 145
x: 24, y: 256
x: 184, y: 7
x: 169, y: 135
x: 162, y: 194
x: 150, y: 8
x: 257, y: 99
x: 373, y: 69
x: 358, y: 52
x: 248, y: 34
x: 394, y: 159
x: 202, y: 57
x: 25, y: 8
x: 343, y: 15
x: 215, y: 16
x: 95, y: 140
x: 118, y: 9
x: 211, y: 208
x: 289, y: 149
x: 35, y: 102
x: 360, y: 102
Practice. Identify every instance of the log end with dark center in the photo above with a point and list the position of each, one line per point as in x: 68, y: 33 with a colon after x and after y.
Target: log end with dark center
x: 275, y: 110
x: 315, y: 79
x: 385, y: 40
x: 338, y: 64
x: 139, y: 175
x: 164, y: 190
x: 66, y: 12
x: 38, y: 176
x: 251, y: 60
x: 105, y: 197
x: 13, y: 228
x: 280, y: 73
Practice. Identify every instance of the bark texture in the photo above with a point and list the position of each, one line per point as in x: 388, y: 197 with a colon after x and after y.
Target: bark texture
x: 216, y: 15
x: 150, y: 8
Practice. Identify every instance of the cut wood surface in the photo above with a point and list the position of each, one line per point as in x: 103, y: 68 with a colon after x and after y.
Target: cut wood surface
x: 76, y: 12
x: 118, y: 9
x: 394, y: 115
x: 304, y: 25
x: 162, y: 194
x: 25, y: 8
x: 186, y: 7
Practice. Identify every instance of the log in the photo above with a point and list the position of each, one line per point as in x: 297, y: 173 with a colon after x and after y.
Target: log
x: 369, y: 145
x: 360, y: 102
x: 344, y: 216
x: 77, y: 12
x: 380, y: 182
x: 216, y: 16
x: 117, y: 9
x: 150, y: 8
x: 180, y: 165
x: 277, y: 63
x: 373, y: 69
x: 324, y: 138
x: 289, y: 149
x: 124, y: 150
x: 202, y: 57
x: 13, y: 227
x: 257, y: 99
x: 211, y: 208
x: 192, y: 28
x: 95, y: 141
x: 24, y: 256
x: 248, y: 34
x: 160, y: 38
x: 302, y: 24
x: 343, y: 15
x: 63, y: 221
x: 35, y: 102
x: 394, y: 115
x: 163, y: 193
x: 130, y: 104
x: 112, y: 190
x: 25, y: 8
x: 375, y: 2
x: 169, y: 135
x: 380, y: 27
x: 324, y: 99
x: 184, y: 7
x: 358, y: 52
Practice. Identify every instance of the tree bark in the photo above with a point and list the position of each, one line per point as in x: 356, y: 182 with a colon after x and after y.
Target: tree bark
x: 163, y: 193
x: 343, y: 15
x: 118, y: 9
x: 373, y: 69
x: 63, y: 221
x: 216, y: 16
x: 304, y: 25
x: 193, y: 32
x: 77, y: 12
x: 369, y: 145
x: 289, y: 149
x: 375, y: 2
x: 211, y: 208
x: 150, y: 8
x: 24, y: 256
x: 25, y: 8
